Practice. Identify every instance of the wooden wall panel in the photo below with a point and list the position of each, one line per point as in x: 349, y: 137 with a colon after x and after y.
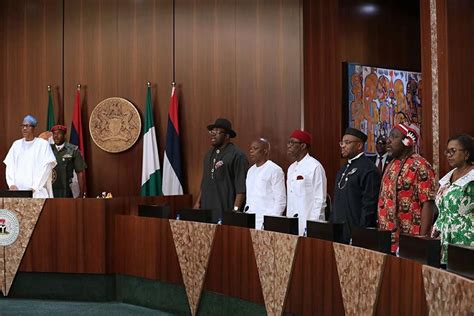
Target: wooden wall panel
x: 70, y: 237
x: 322, y: 83
x: 381, y: 33
x: 233, y: 248
x: 454, y: 24
x: 460, y: 14
x: 31, y: 60
x: 150, y: 253
x: 340, y: 31
x: 427, y: 93
x: 3, y: 76
x: 268, y: 73
x: 239, y: 60
x: 129, y: 206
x: 402, y: 291
x: 460, y: 52
x: 314, y: 287
x: 113, y: 48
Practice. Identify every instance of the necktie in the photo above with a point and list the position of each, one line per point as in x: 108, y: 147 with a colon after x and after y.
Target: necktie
x: 380, y: 164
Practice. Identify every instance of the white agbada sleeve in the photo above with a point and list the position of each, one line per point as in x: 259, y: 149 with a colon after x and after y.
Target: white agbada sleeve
x: 43, y: 173
x: 279, y: 192
x: 10, y: 165
x: 320, y: 191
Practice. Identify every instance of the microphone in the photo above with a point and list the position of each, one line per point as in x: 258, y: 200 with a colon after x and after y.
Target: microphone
x: 246, y: 209
x: 296, y: 215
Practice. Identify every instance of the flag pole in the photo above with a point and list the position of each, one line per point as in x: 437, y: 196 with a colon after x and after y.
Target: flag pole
x: 50, y: 111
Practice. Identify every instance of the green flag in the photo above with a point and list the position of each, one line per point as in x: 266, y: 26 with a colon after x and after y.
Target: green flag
x: 151, y: 173
x: 50, y: 117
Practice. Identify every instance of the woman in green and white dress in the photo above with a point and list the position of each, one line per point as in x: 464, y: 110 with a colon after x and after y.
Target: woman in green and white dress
x: 455, y: 198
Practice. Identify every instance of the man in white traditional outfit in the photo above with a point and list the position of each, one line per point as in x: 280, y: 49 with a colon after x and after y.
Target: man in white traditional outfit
x: 265, y: 184
x: 306, y: 182
x: 30, y: 162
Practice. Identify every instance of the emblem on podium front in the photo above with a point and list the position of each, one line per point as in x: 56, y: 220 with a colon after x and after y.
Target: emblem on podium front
x: 115, y: 125
x: 9, y: 227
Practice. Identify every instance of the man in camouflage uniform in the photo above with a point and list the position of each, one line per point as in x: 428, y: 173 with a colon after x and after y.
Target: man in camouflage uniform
x: 69, y: 159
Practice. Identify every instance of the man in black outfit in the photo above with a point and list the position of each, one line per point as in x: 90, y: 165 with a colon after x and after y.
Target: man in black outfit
x: 382, y: 159
x: 224, y: 172
x: 357, y: 186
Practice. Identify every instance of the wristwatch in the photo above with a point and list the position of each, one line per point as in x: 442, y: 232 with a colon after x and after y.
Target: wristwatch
x: 236, y: 208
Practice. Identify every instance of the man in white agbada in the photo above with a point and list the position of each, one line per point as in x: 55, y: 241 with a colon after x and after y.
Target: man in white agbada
x: 30, y: 162
x: 265, y: 184
x: 306, y: 182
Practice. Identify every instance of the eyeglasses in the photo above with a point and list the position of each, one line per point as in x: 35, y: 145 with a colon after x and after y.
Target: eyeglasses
x: 216, y: 132
x: 381, y: 142
x: 26, y: 126
x: 293, y: 142
x: 452, y: 151
x: 348, y: 142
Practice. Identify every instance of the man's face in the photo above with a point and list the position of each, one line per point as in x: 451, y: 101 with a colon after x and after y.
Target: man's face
x: 58, y: 137
x: 395, y: 146
x: 350, y: 146
x: 381, y: 145
x: 294, y: 148
x: 257, y: 152
x: 27, y: 130
x: 218, y: 136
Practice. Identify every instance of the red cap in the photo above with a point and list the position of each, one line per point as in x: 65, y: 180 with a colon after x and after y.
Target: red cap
x: 302, y: 136
x: 59, y: 128
x: 411, y: 135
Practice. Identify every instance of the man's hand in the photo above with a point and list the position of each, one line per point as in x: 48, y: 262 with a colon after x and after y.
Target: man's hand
x: 13, y: 188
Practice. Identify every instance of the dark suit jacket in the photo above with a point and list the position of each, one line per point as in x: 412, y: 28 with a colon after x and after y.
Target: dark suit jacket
x: 387, y: 161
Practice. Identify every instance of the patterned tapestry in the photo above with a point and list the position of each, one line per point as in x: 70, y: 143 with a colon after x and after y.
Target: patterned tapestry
x: 380, y: 98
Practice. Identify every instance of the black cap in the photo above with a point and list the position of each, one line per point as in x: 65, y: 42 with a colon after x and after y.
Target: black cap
x: 225, y: 124
x: 357, y: 133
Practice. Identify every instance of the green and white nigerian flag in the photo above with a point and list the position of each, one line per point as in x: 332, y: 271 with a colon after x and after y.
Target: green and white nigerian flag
x: 151, y: 173
x: 50, y: 116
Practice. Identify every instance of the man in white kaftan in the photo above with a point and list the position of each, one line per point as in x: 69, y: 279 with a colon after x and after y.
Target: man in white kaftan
x: 306, y: 182
x: 30, y: 162
x: 265, y: 184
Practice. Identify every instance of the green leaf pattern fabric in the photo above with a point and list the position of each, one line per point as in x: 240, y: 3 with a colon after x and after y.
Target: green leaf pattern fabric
x: 455, y: 202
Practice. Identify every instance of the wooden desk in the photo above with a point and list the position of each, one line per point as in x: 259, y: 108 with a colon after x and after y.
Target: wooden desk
x: 104, y: 236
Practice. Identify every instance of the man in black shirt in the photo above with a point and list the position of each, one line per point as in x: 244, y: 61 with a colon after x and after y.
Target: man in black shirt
x: 224, y: 172
x: 382, y: 159
x: 357, y: 186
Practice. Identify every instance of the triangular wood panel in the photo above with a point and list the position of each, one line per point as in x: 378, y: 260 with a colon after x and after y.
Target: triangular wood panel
x: 360, y: 274
x: 275, y: 253
x: 27, y: 212
x: 448, y: 293
x: 193, y: 242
